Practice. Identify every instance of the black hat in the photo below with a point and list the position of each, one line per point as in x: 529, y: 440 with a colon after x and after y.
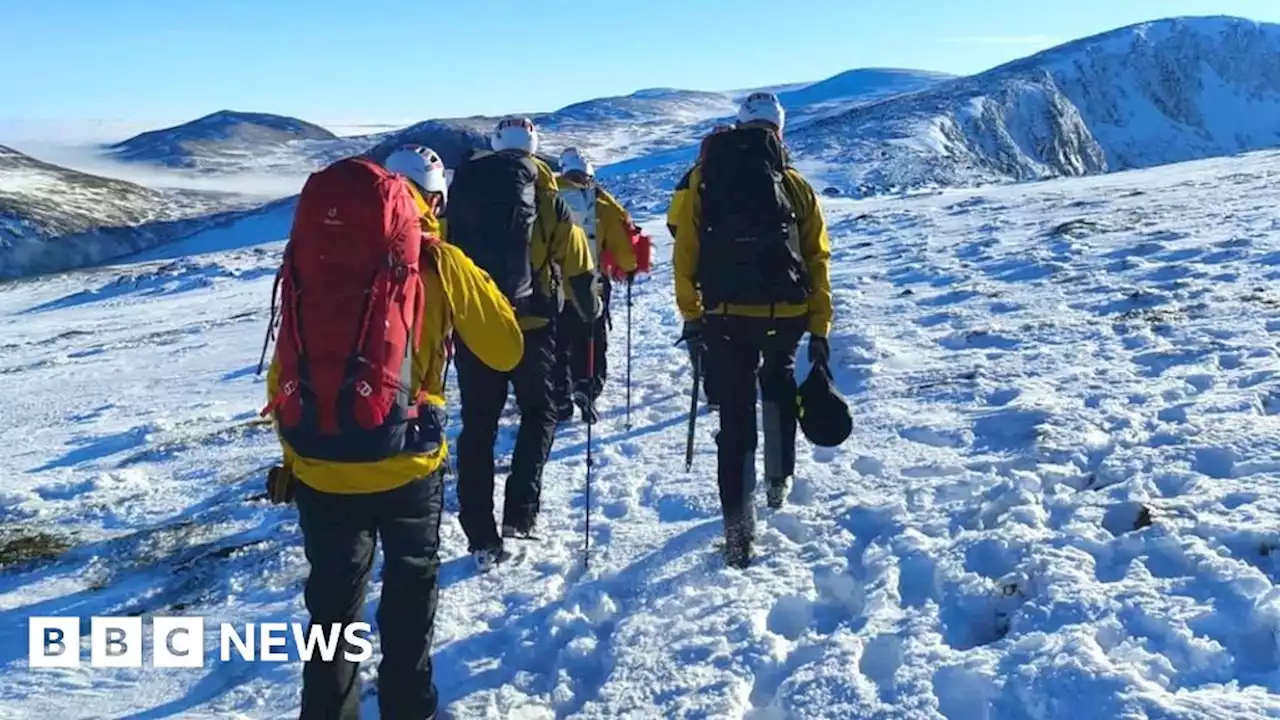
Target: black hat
x: 824, y: 415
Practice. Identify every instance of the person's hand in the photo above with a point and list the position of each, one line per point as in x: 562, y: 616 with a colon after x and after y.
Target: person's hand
x: 694, y: 341
x: 819, y: 350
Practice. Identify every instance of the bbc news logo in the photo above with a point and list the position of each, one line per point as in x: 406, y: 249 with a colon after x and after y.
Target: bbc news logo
x: 179, y: 642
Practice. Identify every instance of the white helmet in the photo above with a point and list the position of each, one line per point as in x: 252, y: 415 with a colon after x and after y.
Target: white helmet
x: 421, y: 165
x: 762, y: 106
x: 516, y: 133
x: 571, y: 159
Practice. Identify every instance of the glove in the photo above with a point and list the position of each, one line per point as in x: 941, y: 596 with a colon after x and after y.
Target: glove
x: 281, y: 484
x: 426, y: 433
x: 819, y: 350
x: 695, y: 342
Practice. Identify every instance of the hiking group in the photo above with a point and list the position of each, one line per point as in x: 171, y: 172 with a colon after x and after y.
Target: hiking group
x: 392, y: 271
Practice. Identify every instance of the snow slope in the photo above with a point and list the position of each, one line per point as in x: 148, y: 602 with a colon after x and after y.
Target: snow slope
x: 237, y: 142
x: 1059, y: 500
x: 859, y: 86
x: 1160, y: 92
x: 52, y: 218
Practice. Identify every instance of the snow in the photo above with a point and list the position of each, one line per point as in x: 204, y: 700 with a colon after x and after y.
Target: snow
x: 1057, y: 495
x: 25, y: 182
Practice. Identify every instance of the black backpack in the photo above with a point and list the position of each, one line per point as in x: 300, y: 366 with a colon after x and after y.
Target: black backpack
x: 749, y: 240
x: 492, y: 211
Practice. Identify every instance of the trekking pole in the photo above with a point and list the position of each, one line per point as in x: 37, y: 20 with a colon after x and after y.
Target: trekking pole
x: 628, y: 354
x: 693, y: 409
x: 586, y: 540
x: 451, y: 467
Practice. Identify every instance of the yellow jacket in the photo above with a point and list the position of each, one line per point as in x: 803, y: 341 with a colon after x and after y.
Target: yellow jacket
x: 814, y: 246
x: 613, y: 226
x: 678, y: 200
x: 461, y: 298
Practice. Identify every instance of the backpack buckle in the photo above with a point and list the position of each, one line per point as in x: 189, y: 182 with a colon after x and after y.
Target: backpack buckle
x: 364, y: 388
x: 290, y: 388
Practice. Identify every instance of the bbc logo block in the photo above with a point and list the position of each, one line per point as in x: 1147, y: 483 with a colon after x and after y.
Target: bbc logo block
x: 54, y: 642
x: 179, y: 642
x: 116, y: 642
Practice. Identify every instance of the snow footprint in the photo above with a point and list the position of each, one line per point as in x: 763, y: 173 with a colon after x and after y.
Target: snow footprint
x: 881, y: 660
x: 974, y: 617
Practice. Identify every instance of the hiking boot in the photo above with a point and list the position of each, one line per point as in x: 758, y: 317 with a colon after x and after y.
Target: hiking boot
x: 737, y: 551
x: 776, y: 493
x: 587, y: 406
x: 487, y: 558
x: 739, y: 537
x: 520, y: 531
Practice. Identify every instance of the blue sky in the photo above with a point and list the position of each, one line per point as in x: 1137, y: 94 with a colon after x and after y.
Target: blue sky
x: 340, y: 62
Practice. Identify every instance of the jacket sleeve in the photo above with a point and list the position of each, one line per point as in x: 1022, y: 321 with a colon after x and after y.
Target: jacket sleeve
x: 429, y: 361
x: 684, y: 260
x: 677, y: 199
x: 816, y: 247
x: 478, y: 312
x: 614, y: 225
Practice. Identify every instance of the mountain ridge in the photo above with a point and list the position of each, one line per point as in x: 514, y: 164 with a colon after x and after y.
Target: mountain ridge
x: 1146, y: 94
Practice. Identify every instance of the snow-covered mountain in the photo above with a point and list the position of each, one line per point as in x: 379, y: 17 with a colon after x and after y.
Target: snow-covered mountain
x: 233, y: 142
x: 659, y: 120
x: 610, y: 129
x: 52, y: 218
x: 1149, y: 94
x: 453, y: 141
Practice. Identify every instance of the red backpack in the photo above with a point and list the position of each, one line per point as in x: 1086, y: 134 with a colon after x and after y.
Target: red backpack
x: 351, y: 304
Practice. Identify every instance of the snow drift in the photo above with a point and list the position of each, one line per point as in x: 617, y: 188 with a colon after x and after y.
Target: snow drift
x: 1145, y: 95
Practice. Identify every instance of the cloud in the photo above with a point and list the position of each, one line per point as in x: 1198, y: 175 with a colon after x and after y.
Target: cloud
x: 89, y: 158
x: 1019, y: 40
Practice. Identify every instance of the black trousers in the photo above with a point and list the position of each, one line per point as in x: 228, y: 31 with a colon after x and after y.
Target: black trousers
x: 339, y: 535
x: 484, y: 394
x: 742, y: 352
x: 574, y: 338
